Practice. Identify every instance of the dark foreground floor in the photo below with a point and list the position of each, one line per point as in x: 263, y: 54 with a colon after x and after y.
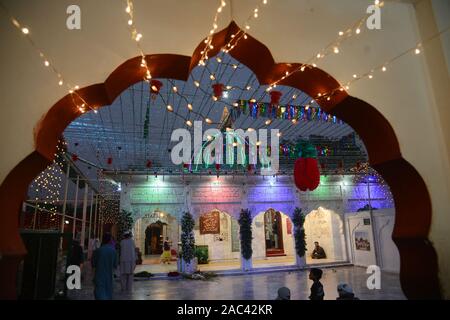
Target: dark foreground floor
x: 253, y: 287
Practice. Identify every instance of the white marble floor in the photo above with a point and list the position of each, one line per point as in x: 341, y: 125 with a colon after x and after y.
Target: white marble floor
x: 252, y: 287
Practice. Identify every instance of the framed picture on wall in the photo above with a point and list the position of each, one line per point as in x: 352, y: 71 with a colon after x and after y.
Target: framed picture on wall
x: 362, y: 240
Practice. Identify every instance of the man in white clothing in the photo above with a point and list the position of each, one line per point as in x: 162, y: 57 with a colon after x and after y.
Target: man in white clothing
x: 127, y: 262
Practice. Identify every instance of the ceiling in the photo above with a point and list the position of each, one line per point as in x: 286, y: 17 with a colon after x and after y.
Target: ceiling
x: 116, y: 132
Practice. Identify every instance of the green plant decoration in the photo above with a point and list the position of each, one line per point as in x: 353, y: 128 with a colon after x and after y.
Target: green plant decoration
x: 299, y: 233
x: 245, y: 232
x: 187, y: 237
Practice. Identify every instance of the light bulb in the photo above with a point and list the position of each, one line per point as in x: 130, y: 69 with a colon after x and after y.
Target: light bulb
x: 169, y: 108
x: 268, y: 122
x: 336, y: 50
x: 128, y: 9
x: 190, y: 106
x: 60, y: 82
x: 25, y: 30
x: 207, y: 120
x: 358, y: 31
x: 189, y: 123
x: 46, y: 63
x: 175, y: 89
x: 279, y: 134
x: 384, y: 69
x: 212, y: 77
x: 417, y: 51
x: 341, y: 33
x: 355, y: 76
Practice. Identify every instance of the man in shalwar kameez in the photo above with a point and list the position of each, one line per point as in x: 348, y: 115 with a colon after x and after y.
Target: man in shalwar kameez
x: 127, y: 262
x: 104, y: 261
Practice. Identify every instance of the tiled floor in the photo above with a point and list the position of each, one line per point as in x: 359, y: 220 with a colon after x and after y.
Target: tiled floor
x: 252, y: 287
x: 151, y: 264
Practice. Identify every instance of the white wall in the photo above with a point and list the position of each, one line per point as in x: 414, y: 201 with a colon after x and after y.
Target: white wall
x: 218, y: 250
x: 383, y: 224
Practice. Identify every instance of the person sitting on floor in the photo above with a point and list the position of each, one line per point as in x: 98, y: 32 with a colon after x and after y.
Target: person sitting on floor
x: 345, y: 292
x: 318, y: 252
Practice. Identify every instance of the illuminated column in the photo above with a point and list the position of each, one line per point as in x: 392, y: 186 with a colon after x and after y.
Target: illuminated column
x: 83, y: 222
x: 66, y: 188
x: 90, y: 215
x: 75, y: 206
x: 95, y: 217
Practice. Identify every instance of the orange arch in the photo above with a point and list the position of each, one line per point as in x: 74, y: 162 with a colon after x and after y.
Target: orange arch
x: 419, y: 267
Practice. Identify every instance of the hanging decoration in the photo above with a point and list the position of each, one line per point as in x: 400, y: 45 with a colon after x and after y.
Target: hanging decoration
x: 148, y: 164
x: 218, y: 90
x: 306, y: 168
x: 275, y: 111
x: 109, y: 161
x: 74, y: 157
x: 155, y: 88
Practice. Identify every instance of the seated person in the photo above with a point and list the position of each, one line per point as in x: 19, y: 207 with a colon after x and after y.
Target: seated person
x: 318, y: 252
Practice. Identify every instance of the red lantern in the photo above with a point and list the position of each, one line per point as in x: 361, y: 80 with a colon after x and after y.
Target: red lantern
x: 149, y: 164
x: 109, y: 161
x: 249, y: 168
x: 218, y: 90
x: 155, y: 87
x: 217, y: 167
x: 306, y: 174
x: 74, y: 157
x: 275, y: 97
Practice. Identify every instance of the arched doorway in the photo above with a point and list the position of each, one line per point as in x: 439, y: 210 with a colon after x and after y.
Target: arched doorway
x: 273, y: 229
x: 273, y: 239
x: 325, y: 227
x: 154, y: 238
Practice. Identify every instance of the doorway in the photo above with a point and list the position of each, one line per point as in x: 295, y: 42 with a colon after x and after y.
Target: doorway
x: 154, y: 235
x: 274, y: 233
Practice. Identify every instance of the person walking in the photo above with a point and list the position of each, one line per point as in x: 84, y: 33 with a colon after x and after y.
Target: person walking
x: 104, y: 261
x: 127, y: 262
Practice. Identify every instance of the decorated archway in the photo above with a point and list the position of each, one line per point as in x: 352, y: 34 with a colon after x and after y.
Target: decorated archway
x: 419, y: 268
x: 273, y: 241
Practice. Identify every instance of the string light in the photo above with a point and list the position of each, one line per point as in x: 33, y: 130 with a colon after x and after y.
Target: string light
x: 137, y: 36
x: 45, y: 60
